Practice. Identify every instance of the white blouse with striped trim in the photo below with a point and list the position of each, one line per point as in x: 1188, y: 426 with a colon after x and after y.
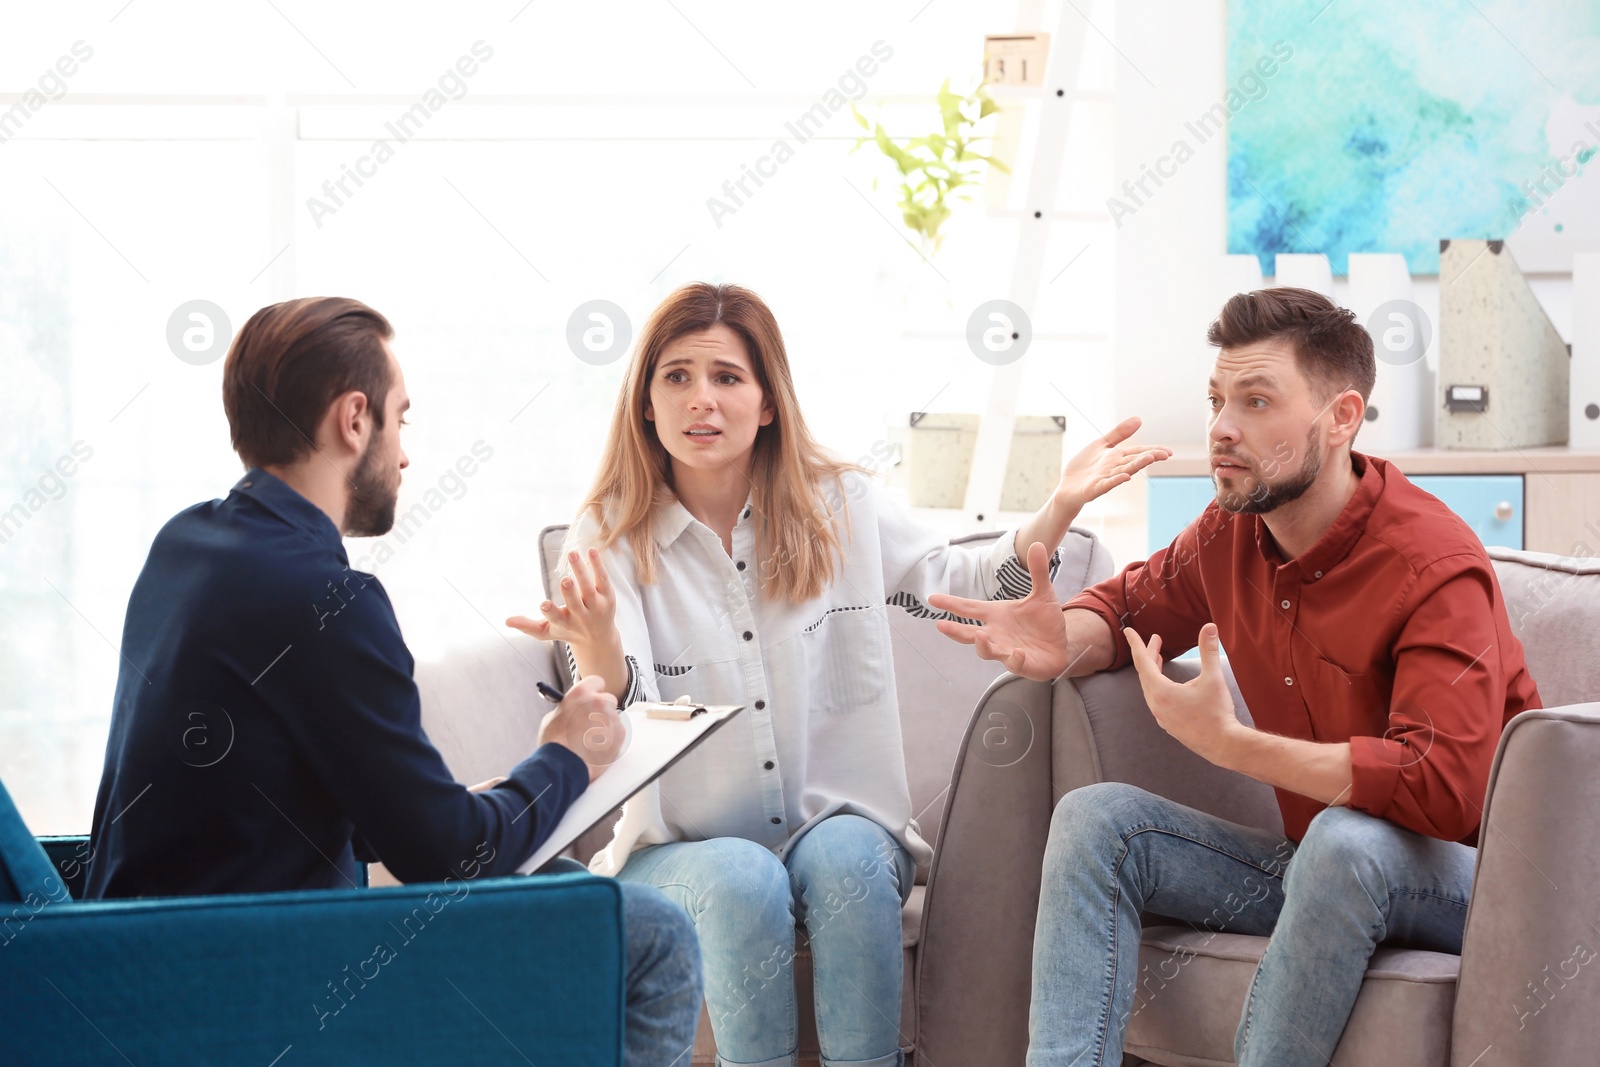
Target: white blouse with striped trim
x: 820, y: 733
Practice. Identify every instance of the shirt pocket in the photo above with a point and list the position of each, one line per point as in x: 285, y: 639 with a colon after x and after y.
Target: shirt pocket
x: 848, y: 658
x: 674, y: 680
x: 1342, y: 704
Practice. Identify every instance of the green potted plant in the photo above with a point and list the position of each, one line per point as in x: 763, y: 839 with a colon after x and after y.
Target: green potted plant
x: 942, y: 168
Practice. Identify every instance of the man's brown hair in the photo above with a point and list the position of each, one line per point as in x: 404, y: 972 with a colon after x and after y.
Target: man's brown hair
x: 1331, y: 348
x: 289, y: 362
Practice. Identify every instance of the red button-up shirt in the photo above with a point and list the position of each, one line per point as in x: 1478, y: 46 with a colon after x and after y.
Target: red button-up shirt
x: 1390, y: 633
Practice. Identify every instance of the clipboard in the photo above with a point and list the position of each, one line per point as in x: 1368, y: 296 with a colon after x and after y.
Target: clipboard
x: 654, y: 746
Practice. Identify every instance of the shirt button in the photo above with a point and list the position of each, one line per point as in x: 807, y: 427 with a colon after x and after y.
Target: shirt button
x: 740, y: 564
x: 1285, y: 605
x: 747, y: 515
x: 1288, y: 681
x: 760, y: 704
x: 776, y: 820
x: 1317, y: 575
x: 748, y: 635
x: 769, y: 765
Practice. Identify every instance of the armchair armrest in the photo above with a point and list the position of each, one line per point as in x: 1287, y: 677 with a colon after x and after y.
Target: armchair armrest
x: 1029, y: 743
x: 1118, y: 740
x: 975, y: 951
x: 69, y: 855
x: 1530, y: 962
x: 450, y: 972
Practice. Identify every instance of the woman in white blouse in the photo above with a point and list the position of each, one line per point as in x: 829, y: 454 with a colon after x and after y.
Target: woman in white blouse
x: 724, y: 556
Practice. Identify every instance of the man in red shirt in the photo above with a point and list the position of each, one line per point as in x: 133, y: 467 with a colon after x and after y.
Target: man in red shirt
x: 1369, y: 638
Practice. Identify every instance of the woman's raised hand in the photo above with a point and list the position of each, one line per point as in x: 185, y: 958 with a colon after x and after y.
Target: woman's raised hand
x: 1106, y: 463
x: 588, y: 618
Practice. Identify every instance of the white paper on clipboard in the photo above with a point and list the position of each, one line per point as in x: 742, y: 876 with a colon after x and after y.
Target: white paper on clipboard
x: 653, y: 746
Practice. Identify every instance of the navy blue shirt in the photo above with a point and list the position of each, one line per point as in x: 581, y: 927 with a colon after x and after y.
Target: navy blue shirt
x: 267, y: 733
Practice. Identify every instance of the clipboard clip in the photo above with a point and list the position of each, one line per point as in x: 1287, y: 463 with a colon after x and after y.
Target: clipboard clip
x: 681, y: 710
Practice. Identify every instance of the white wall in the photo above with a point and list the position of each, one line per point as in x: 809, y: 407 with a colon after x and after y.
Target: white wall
x: 1169, y: 250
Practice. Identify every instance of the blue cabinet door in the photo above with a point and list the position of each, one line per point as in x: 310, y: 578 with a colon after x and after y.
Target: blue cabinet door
x: 1172, y: 504
x: 1480, y: 500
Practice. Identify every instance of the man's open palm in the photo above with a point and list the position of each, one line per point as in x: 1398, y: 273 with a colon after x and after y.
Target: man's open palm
x: 1027, y: 636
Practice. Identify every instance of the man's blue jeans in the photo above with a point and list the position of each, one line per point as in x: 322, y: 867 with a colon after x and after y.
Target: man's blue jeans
x: 1116, y: 851
x: 662, y: 981
x: 847, y: 881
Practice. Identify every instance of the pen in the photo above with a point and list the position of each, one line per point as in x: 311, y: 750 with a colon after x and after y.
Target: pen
x: 550, y: 692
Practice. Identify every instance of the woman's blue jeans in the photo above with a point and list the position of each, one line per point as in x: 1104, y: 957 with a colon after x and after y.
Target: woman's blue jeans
x: 845, y: 882
x: 1354, y: 881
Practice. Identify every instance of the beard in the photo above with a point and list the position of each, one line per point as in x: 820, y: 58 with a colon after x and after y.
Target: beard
x: 370, y: 512
x: 1263, y: 496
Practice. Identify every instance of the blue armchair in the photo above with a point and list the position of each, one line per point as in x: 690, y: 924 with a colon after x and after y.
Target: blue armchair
x: 499, y: 969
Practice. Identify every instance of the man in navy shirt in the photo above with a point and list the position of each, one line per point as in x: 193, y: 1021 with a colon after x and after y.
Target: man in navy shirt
x: 267, y: 732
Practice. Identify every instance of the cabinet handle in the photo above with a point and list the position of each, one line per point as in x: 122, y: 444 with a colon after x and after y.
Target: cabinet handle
x: 1503, y: 510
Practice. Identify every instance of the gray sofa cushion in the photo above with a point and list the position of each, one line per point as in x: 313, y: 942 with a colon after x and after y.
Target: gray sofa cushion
x: 1193, y: 986
x: 480, y: 707
x: 1551, y: 601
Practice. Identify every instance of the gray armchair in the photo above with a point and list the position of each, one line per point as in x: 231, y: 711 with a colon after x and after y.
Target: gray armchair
x: 1523, y: 991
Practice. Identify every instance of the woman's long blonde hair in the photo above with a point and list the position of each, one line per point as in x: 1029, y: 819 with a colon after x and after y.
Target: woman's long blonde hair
x: 797, y: 519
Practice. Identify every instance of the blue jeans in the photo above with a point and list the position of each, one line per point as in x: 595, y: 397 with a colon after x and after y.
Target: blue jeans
x: 662, y: 983
x: 1354, y: 882
x: 846, y: 880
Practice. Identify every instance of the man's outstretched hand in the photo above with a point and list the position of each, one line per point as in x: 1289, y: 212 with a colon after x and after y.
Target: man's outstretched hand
x: 1027, y: 636
x: 1198, y: 712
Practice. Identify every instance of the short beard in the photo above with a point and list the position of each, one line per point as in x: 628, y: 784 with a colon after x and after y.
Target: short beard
x: 370, y: 512
x: 1268, y: 496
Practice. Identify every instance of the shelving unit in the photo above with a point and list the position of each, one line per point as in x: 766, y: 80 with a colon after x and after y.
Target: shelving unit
x: 1053, y: 114
x: 1544, y: 499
